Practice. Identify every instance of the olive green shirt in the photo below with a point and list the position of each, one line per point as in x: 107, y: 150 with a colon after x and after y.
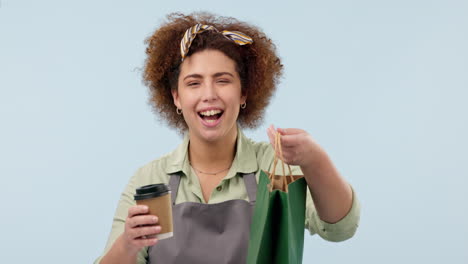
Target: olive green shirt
x: 250, y: 157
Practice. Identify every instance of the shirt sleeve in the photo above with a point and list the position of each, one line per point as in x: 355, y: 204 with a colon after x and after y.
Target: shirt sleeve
x: 118, y: 224
x: 336, y: 232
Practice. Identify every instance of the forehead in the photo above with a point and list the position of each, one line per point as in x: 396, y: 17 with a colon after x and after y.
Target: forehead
x: 207, y: 62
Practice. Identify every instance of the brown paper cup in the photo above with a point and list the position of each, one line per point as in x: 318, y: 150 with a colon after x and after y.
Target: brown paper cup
x: 158, y: 200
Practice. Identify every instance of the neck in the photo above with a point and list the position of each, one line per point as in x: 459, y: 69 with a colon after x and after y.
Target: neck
x: 212, y: 156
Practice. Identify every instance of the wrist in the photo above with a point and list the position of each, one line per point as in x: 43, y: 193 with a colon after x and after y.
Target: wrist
x: 127, y: 250
x: 119, y: 253
x: 314, y: 158
x: 318, y: 163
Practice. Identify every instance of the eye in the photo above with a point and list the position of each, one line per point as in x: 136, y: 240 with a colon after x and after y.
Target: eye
x: 224, y: 81
x: 191, y: 84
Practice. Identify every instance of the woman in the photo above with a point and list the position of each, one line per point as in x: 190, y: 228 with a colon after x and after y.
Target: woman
x: 208, y: 77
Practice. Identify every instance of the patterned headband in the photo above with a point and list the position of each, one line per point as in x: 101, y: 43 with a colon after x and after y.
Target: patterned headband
x: 238, y: 37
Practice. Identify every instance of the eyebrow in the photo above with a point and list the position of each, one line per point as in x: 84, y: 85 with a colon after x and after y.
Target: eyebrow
x: 196, y: 75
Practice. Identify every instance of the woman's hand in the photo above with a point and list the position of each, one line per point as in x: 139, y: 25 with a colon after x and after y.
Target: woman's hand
x: 140, y: 228
x: 331, y: 194
x: 298, y: 147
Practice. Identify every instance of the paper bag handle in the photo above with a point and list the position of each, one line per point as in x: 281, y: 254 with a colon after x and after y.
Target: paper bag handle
x: 279, y: 149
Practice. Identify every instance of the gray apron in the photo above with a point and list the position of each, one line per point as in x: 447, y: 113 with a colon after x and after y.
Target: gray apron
x: 207, y: 233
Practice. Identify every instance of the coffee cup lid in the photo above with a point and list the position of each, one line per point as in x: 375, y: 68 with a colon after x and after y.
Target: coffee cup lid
x: 151, y: 191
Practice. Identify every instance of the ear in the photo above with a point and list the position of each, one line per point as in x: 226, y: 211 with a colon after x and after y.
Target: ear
x: 175, y: 96
x: 243, y: 99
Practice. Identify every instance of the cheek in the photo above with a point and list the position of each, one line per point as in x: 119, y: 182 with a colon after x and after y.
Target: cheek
x: 234, y: 95
x: 233, y: 102
x: 186, y: 100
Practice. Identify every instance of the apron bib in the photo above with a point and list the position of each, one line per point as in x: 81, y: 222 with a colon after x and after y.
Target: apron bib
x: 207, y: 233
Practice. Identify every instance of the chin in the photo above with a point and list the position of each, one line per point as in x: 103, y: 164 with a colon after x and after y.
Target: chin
x: 211, y: 136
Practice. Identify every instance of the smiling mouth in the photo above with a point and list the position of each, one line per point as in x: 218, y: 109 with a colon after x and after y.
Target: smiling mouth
x: 211, y: 116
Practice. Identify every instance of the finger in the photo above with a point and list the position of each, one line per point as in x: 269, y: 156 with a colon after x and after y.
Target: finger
x: 290, y: 131
x: 272, y: 130
x: 145, y: 242
x: 292, y: 140
x: 140, y: 220
x: 145, y: 231
x: 288, y: 156
x: 288, y: 142
x: 137, y: 210
x: 271, y: 136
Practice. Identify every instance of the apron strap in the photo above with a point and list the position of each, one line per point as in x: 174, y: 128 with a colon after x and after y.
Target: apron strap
x: 251, y: 186
x: 249, y: 181
x: 174, y: 185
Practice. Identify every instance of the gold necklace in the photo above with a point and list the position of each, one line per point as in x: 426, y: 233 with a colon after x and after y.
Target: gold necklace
x: 209, y: 173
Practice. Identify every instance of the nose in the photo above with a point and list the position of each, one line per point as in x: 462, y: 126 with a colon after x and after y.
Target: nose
x: 209, y: 92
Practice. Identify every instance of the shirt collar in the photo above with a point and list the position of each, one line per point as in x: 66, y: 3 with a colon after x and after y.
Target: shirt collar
x: 245, y: 160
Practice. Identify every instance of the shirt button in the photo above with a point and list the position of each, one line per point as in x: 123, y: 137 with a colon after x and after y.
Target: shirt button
x: 219, y: 188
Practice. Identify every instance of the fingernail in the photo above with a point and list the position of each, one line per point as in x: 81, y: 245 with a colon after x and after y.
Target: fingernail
x: 155, y: 219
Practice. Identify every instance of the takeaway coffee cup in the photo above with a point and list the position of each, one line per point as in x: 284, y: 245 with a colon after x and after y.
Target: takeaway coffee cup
x: 158, y: 199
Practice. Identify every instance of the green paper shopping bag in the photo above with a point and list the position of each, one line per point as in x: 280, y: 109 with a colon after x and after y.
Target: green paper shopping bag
x: 277, y: 229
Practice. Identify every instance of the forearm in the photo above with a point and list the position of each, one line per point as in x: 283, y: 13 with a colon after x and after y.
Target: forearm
x: 118, y: 254
x: 331, y: 194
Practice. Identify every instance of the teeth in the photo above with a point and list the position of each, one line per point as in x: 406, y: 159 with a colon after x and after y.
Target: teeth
x: 210, y: 112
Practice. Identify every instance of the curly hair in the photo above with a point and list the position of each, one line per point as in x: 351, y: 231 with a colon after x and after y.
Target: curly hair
x: 258, y: 65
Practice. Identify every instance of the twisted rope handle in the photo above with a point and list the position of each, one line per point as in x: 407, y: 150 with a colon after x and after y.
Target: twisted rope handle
x: 271, y: 176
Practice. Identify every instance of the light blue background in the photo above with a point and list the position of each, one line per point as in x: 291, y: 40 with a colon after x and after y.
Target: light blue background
x: 381, y: 85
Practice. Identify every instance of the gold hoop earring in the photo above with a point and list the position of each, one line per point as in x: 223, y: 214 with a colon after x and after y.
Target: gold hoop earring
x: 179, y: 111
x: 244, y: 105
